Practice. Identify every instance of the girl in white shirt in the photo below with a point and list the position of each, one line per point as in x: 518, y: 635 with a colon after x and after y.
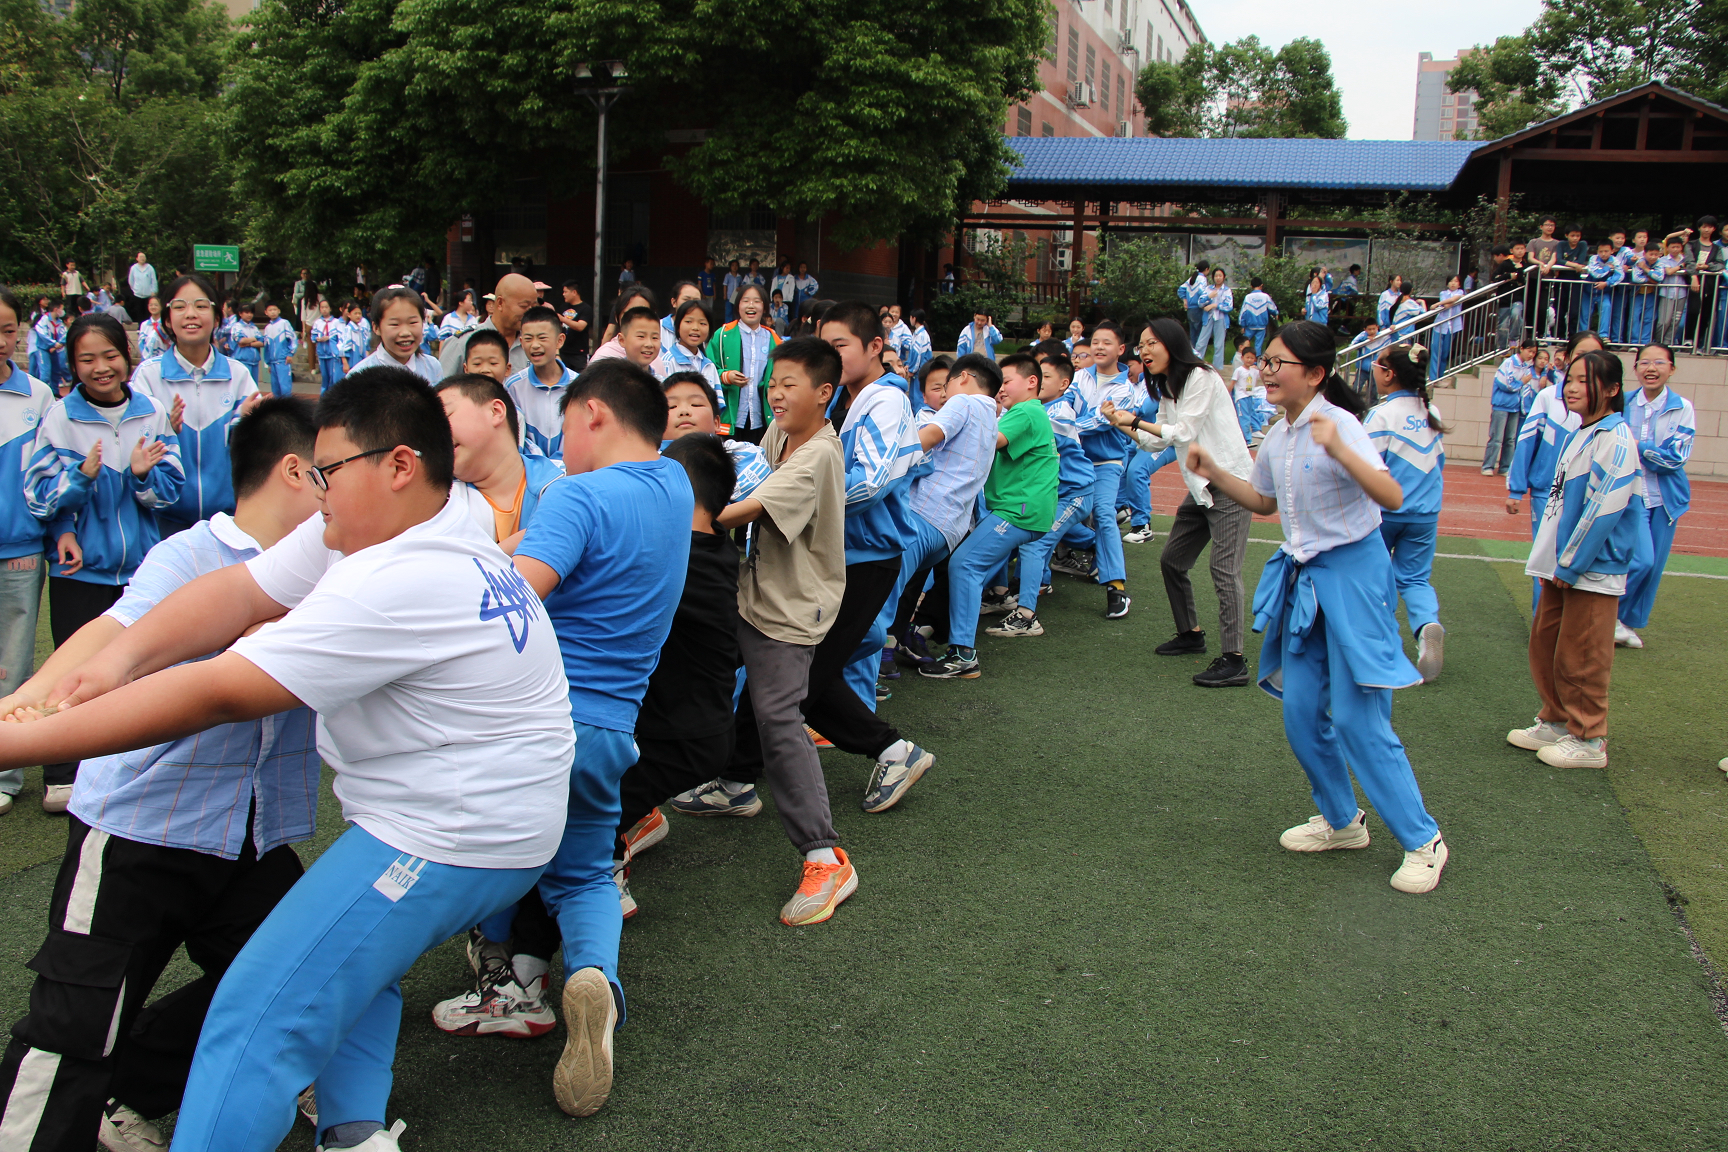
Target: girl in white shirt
x: 1333, y: 652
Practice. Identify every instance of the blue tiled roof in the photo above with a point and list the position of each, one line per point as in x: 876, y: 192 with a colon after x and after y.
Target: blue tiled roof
x: 1390, y: 165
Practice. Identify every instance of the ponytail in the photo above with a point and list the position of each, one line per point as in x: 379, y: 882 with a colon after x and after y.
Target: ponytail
x: 1313, y: 345
x: 1409, y: 364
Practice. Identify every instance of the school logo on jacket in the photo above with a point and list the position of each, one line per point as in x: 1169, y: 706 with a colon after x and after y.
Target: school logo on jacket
x: 29, y: 417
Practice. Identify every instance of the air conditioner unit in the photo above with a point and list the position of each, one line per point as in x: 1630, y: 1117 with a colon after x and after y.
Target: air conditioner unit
x: 1081, y: 95
x: 1125, y: 43
x: 1063, y: 258
x: 1123, y: 128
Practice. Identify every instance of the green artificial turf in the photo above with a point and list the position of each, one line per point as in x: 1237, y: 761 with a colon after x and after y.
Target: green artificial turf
x: 1079, y: 931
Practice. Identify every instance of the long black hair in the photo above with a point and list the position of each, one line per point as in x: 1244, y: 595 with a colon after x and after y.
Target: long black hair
x: 1313, y: 345
x: 1602, y: 369
x: 1408, y: 363
x: 1183, y: 358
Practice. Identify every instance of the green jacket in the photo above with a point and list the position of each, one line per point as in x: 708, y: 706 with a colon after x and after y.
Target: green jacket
x: 726, y: 349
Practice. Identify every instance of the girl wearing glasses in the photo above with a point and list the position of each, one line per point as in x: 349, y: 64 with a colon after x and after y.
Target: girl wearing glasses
x: 1406, y: 428
x: 203, y: 392
x: 1332, y: 652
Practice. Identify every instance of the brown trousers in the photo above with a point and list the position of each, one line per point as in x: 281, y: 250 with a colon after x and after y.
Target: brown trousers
x: 1571, y: 655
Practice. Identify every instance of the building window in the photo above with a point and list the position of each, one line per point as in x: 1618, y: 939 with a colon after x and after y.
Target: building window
x: 1073, y: 53
x: 1023, y: 121
x: 1104, y: 87
x: 1048, y: 131
x: 1121, y: 98
x: 1051, y: 48
x: 1108, y: 10
x: 1091, y: 63
x: 1160, y: 55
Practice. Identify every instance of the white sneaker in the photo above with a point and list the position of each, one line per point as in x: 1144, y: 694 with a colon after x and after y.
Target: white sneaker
x: 1430, y: 651
x: 1722, y: 764
x: 1138, y: 536
x: 1571, y: 752
x: 123, y: 1130
x: 55, y: 797
x: 1319, y: 836
x: 5, y: 803
x: 1538, y: 736
x: 583, y: 1078
x: 1624, y: 637
x: 621, y: 877
x: 383, y: 1140
x: 498, y: 1006
x: 1421, y: 869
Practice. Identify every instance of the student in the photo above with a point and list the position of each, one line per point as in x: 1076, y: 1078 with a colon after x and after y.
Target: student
x: 1020, y: 496
x: 1193, y: 295
x: 1662, y: 425
x: 104, y: 461
x: 1506, y: 403
x: 245, y: 342
x: 732, y: 282
x: 1076, y: 335
x: 327, y: 342
x: 1670, y: 297
x: 1544, y: 432
x: 688, y: 352
x: 152, y: 332
x: 1332, y: 653
x: 933, y: 385
x: 202, y: 392
x: 1539, y: 378
x: 398, y: 314
x: 683, y: 292
x: 1508, y: 276
x: 1405, y: 313
x: 1406, y: 429
x: 779, y: 314
x: 462, y: 319
x: 753, y: 275
x: 1602, y: 278
x: 979, y: 336
x: 626, y: 274
x: 916, y: 348
x: 1646, y: 277
x: 72, y: 289
x: 639, y: 336
x: 900, y: 336
x: 487, y: 354
x: 537, y: 391
x: 1370, y: 341
x: 1249, y: 396
x: 1316, y: 301
x: 1352, y: 285
x: 280, y: 342
x: 740, y: 352
x: 705, y: 281
x: 805, y: 287
x: 1583, y: 550
x: 1447, y: 324
x: 1107, y: 448
x: 50, y: 330
x: 783, y: 282
x: 1258, y: 310
x: 24, y: 401
x: 1216, y: 305
x: 1075, y: 476
x: 1571, y: 263
x: 1395, y: 291
x: 490, y: 461
x: 178, y: 843
x: 1197, y: 410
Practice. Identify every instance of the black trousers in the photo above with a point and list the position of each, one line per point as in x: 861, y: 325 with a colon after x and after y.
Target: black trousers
x: 934, y: 611
x: 119, y: 910
x: 664, y: 769
x: 71, y: 605
x: 831, y: 707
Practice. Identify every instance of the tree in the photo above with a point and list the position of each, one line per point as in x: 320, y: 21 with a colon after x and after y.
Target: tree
x: 151, y: 47
x: 384, y: 120
x: 1244, y: 88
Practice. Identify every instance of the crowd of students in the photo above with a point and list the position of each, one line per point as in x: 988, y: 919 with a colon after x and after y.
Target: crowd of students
x: 513, y: 596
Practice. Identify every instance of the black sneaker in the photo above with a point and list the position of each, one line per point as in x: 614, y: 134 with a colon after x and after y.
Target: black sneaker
x: 914, y: 651
x: 958, y: 664
x: 1228, y: 671
x: 997, y: 603
x: 1076, y: 563
x: 1116, y: 603
x: 1183, y: 644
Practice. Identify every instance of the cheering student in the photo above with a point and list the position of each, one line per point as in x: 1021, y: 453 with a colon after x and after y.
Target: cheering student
x: 538, y: 390
x: 740, y: 353
x: 1317, y: 300
x: 398, y: 314
x: 1662, y: 423
x: 1332, y: 652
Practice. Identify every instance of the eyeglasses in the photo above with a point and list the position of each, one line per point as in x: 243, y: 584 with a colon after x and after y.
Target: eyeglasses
x: 1654, y: 364
x: 1272, y: 365
x: 179, y: 306
x: 1383, y: 365
x: 321, y: 475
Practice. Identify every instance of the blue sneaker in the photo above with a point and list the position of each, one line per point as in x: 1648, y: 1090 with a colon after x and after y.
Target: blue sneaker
x: 914, y: 651
x: 716, y: 798
x: 888, y: 671
x: 892, y: 778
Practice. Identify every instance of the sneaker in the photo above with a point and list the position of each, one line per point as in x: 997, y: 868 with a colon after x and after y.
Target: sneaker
x: 993, y: 604
x: 383, y: 1140
x: 1487, y: 471
x: 498, y: 1006
x: 483, y: 952
x: 883, y: 693
x: 1046, y: 589
x: 1319, y: 836
x: 1722, y: 764
x: 822, y: 890
x: 1116, y: 603
x: 1020, y: 622
x: 583, y: 1078
x: 1624, y: 637
x: 1421, y: 869
x: 713, y: 799
x: 1228, y: 671
x: 646, y: 833
x: 1123, y: 515
x: 55, y: 797
x: 888, y: 670
x: 817, y: 739
x: 1571, y: 752
x: 621, y: 877
x: 890, y: 780
x: 1430, y: 651
x: 1139, y: 535
x: 914, y: 651
x: 1538, y: 736
x: 123, y: 1130
x: 958, y: 664
x: 5, y: 803
x: 1075, y: 563
x: 307, y: 1102
x: 1183, y: 644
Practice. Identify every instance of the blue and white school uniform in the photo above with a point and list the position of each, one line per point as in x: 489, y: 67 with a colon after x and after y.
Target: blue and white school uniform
x: 1663, y: 429
x: 48, y: 361
x: 1416, y: 456
x: 1316, y: 303
x: 24, y: 401
x: 1216, y: 328
x: 1075, y: 475
x: 113, y: 513
x: 1192, y: 293
x: 327, y: 342
x: 537, y: 408
x: 1405, y: 318
x: 213, y: 394
x: 152, y: 338
x: 222, y: 339
x: 1109, y: 448
x: 251, y: 357
x: 971, y: 341
x: 1258, y: 311
x: 1641, y: 325
x: 917, y: 353
x: 1136, y: 490
x: 1383, y: 310
x: 1332, y: 652
x: 280, y: 343
x: 1586, y: 537
x: 428, y: 333
x: 1540, y: 438
x: 455, y: 324
x: 422, y: 364
x: 680, y: 359
x: 1600, y: 301
x: 804, y: 290
x: 1449, y: 322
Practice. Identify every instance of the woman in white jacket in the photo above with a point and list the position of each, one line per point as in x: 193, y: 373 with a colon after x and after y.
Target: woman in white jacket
x: 1196, y: 406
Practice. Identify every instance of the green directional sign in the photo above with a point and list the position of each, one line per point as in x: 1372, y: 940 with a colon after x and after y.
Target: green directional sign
x: 215, y: 258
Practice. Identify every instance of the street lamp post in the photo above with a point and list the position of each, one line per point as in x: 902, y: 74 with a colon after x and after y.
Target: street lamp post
x: 602, y: 96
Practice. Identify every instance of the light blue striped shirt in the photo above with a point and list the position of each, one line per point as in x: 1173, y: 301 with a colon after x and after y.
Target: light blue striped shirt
x: 196, y: 792
x: 1320, y: 505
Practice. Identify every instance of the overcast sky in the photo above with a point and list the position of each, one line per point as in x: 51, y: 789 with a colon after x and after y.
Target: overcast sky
x: 1373, y: 47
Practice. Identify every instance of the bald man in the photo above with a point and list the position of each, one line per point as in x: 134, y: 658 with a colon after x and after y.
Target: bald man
x: 515, y: 294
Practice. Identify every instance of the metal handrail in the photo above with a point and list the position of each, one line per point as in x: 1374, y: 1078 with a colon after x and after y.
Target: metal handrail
x: 1479, y: 337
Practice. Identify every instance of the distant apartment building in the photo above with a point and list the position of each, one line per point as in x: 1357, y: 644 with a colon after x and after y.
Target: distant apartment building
x: 1441, y: 114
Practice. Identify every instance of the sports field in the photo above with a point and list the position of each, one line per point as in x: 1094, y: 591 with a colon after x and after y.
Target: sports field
x: 1079, y: 931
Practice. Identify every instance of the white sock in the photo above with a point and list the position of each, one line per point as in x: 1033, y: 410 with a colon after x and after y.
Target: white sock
x: 895, y: 751
x: 528, y: 968
x: 733, y: 787
x: 821, y: 856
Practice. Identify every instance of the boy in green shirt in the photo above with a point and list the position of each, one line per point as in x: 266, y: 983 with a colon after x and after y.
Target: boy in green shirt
x: 1021, y: 497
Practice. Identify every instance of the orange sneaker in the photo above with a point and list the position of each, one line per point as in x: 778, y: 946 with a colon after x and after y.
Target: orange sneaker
x: 817, y: 738
x: 823, y: 888
x: 646, y: 833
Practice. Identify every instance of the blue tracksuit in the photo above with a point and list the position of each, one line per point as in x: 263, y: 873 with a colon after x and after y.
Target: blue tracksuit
x: 1664, y: 431
x: 1416, y: 457
x: 213, y: 397
x: 327, y: 342
x: 280, y: 343
x: 1075, y: 474
x: 1258, y: 311
x: 24, y: 402
x: 251, y: 357
x: 1108, y: 447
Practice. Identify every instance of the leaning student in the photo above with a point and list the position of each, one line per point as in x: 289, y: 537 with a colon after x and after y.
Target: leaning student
x: 178, y: 843
x: 1332, y: 652
x: 1583, y: 550
x: 1406, y: 428
x: 1663, y: 425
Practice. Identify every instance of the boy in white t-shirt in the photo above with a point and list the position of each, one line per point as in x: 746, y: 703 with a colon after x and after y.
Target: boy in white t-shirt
x: 397, y: 606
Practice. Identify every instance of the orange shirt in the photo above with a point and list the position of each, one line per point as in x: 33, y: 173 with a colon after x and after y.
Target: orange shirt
x: 505, y: 521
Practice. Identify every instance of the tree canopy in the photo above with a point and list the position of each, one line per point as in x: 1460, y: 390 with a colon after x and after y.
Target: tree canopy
x: 379, y: 121
x: 1244, y: 88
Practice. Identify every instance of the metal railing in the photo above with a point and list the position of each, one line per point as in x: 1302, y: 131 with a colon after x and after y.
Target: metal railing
x: 1472, y: 330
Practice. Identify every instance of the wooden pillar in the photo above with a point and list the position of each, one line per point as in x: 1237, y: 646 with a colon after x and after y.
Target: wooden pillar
x: 1274, y: 213
x: 1503, y: 198
x: 1644, y: 122
x: 1078, y: 251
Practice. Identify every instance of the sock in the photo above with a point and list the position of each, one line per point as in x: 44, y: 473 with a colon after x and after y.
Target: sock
x: 350, y: 1134
x: 895, y: 751
x: 529, y: 968
x: 821, y: 856
x: 733, y: 787
x: 1119, y: 585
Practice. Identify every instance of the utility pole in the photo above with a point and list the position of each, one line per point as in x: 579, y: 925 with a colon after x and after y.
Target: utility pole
x: 603, y: 94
